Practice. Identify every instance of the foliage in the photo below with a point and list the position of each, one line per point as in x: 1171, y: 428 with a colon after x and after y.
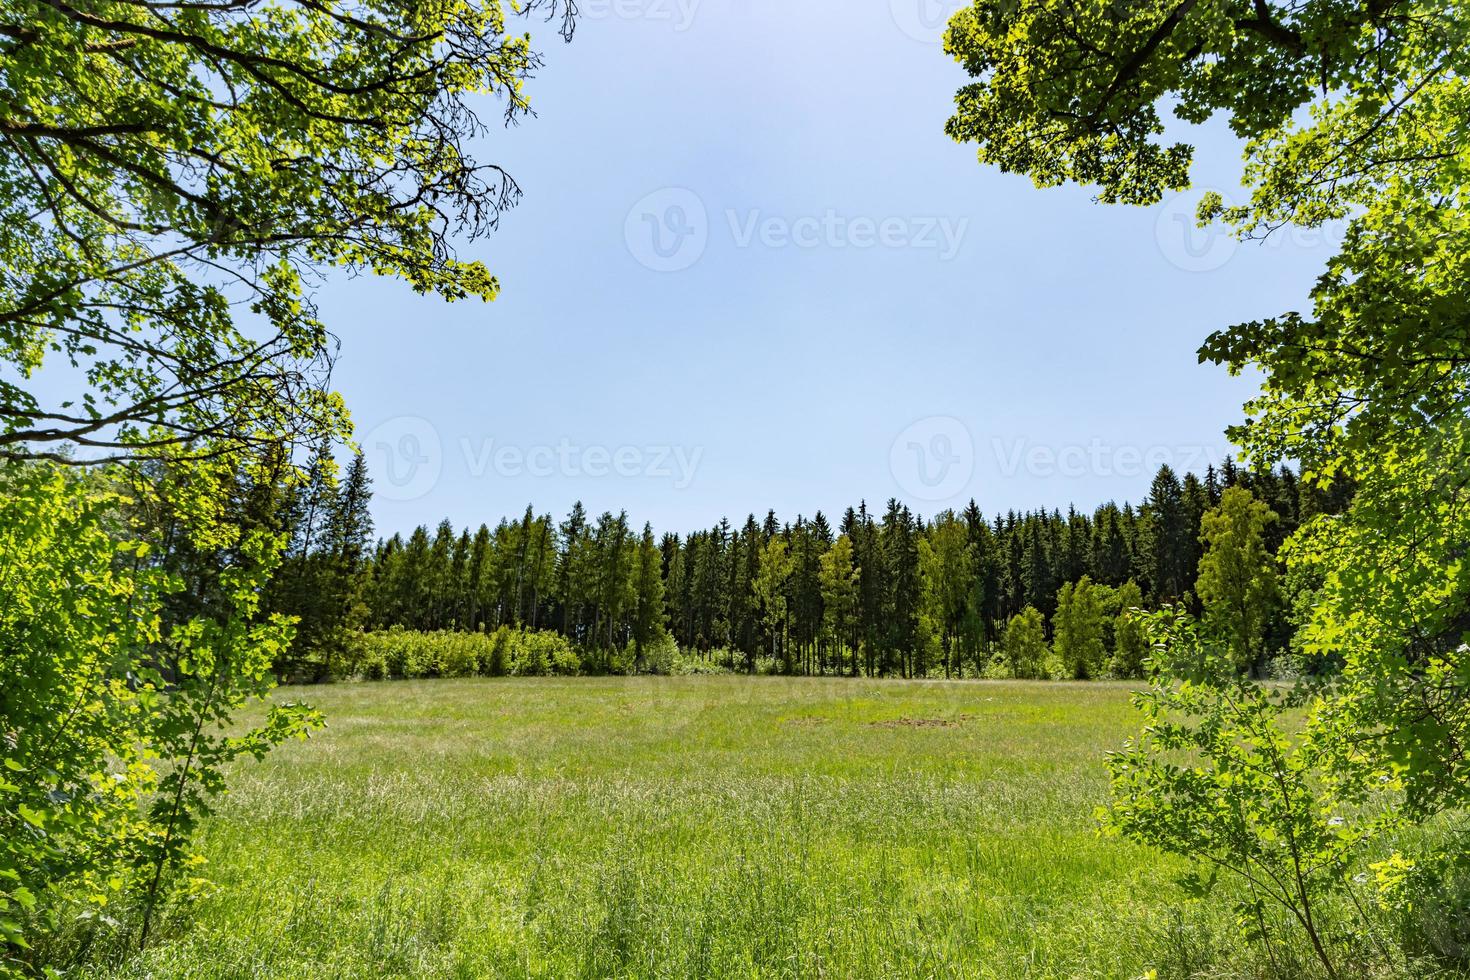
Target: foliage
x: 839, y: 594
x: 1351, y: 113
x: 1237, y: 576
x: 1225, y: 773
x: 112, y: 713
x: 1078, y: 629
x: 947, y: 568
x: 1024, y: 644
x: 889, y: 596
x: 770, y: 594
x: 404, y: 654
x: 1130, y: 637
x: 651, y: 641
x: 173, y: 176
x: 165, y: 165
x: 323, y: 581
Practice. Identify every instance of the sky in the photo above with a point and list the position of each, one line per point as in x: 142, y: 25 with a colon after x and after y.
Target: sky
x: 750, y: 271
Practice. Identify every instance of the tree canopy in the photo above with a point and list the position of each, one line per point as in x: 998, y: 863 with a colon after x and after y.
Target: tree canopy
x: 1349, y: 111
x: 174, y: 173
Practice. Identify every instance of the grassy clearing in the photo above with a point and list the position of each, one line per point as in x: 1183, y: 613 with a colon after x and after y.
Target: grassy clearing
x: 686, y: 827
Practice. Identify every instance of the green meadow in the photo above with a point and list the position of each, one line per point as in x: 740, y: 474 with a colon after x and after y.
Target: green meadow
x: 681, y: 827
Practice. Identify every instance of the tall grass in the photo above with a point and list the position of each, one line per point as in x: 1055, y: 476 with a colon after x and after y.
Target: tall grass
x: 647, y: 827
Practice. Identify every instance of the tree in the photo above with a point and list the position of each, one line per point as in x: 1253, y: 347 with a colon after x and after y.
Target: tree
x: 769, y: 588
x: 1166, y: 535
x: 648, y: 590
x: 1078, y: 629
x: 898, y: 629
x: 614, y: 593
x: 839, y: 597
x: 574, y: 573
x: 1111, y: 559
x: 947, y: 573
x: 1347, y: 112
x: 114, y: 708
x: 1130, y: 643
x: 1024, y: 644
x: 164, y: 164
x: 1237, y: 575
x: 1037, y: 576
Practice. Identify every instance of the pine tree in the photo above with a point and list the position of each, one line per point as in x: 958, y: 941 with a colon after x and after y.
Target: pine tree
x: 1036, y: 568
x: 1164, y: 530
x: 648, y: 590
x: 437, y: 575
x: 1111, y: 561
x: 900, y: 549
x: 479, y: 579
x: 569, y: 577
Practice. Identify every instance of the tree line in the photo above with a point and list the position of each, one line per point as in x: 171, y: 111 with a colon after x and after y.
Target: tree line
x: 890, y: 594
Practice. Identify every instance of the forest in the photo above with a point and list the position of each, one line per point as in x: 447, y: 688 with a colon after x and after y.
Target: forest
x: 875, y: 595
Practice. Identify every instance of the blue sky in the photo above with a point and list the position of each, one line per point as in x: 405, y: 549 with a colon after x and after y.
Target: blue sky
x: 840, y: 302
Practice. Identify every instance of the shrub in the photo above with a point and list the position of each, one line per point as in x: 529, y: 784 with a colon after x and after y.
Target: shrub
x: 405, y: 654
x: 495, y: 656
x: 113, y: 715
x: 660, y: 655
x: 545, y: 652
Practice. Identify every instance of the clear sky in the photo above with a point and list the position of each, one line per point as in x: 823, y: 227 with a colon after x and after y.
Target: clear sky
x: 750, y: 271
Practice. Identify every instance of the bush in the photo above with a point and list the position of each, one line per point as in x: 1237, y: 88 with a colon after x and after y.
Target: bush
x: 113, y: 714
x: 405, y: 654
x: 660, y: 655
x: 495, y: 659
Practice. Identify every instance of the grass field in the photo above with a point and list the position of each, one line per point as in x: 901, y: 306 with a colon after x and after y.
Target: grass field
x: 689, y: 827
